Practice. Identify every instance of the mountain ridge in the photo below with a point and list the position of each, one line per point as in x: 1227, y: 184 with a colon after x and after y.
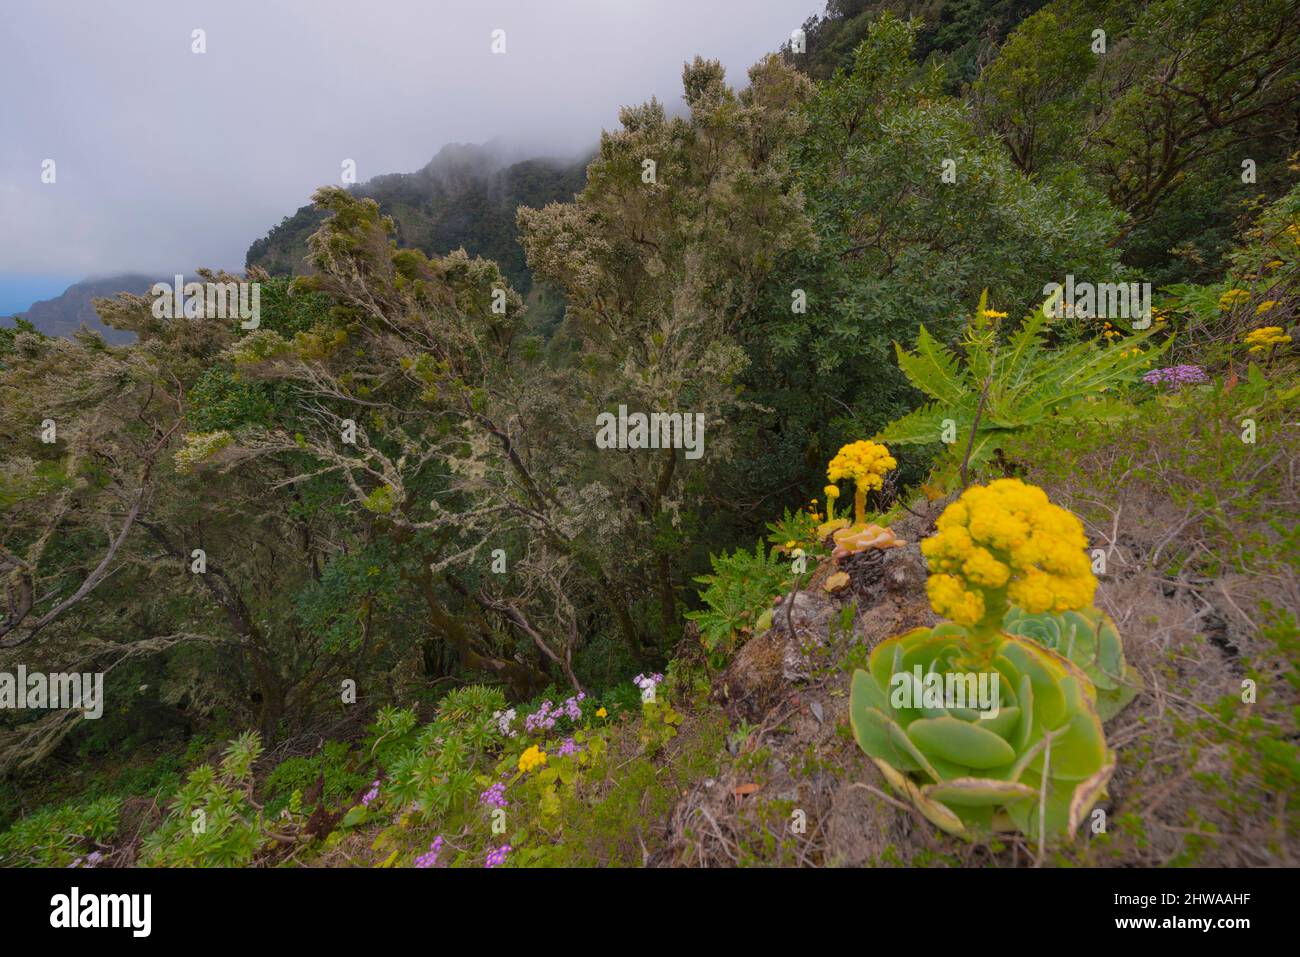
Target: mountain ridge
x: 466, y: 196
x: 64, y: 314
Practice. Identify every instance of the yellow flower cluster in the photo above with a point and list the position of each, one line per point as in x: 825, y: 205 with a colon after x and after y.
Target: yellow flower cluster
x: 832, y: 492
x: 1007, y: 542
x: 534, y: 757
x: 1261, y: 340
x: 865, y: 462
x: 1232, y: 297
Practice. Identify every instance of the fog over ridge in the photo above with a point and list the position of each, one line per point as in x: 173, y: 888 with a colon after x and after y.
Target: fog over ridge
x: 170, y: 159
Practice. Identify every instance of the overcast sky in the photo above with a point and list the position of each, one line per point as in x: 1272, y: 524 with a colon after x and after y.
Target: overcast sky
x: 168, y: 159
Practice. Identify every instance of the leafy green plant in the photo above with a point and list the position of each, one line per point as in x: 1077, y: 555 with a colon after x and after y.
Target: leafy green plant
x: 297, y: 774
x: 1039, y: 765
x: 433, y: 772
x: 659, y: 723
x: 214, y: 821
x: 57, y: 836
x: 1089, y: 638
x: 392, y: 733
x: 981, y: 729
x: 740, y: 589
x: 1003, y: 388
x: 799, y: 527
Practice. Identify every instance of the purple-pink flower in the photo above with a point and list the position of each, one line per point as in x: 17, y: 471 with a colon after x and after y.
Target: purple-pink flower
x: 497, y: 856
x: 495, y: 796
x: 542, y: 718
x: 371, y: 794
x: 430, y: 858
x: 1176, y: 376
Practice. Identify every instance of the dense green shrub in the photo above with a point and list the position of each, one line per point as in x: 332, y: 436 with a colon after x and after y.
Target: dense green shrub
x: 58, y: 836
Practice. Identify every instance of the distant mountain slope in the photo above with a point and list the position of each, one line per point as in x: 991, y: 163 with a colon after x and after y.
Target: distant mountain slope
x: 466, y: 196
x: 65, y: 313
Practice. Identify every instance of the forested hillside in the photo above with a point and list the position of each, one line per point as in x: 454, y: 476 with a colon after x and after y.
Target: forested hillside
x: 985, y: 311
x: 465, y: 197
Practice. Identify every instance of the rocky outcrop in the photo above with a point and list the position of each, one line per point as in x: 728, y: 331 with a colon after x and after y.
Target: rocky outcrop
x: 813, y: 628
x: 814, y: 796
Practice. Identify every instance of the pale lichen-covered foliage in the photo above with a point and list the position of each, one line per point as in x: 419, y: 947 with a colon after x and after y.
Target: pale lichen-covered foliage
x: 474, y: 441
x: 76, y: 508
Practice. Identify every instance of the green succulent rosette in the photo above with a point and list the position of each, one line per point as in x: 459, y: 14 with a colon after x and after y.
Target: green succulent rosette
x: 1089, y: 638
x: 1039, y: 766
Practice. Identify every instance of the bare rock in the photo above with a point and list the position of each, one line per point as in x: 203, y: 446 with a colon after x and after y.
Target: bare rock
x: 903, y: 570
x: 759, y: 676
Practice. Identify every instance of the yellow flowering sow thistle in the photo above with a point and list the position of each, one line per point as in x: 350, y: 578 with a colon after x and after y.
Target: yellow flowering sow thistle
x: 1002, y: 544
x: 865, y: 462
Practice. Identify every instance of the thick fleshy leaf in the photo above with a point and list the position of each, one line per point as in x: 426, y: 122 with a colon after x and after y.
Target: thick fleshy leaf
x: 895, y: 777
x: 906, y: 693
x: 1110, y: 652
x: 887, y: 657
x: 871, y: 728
x: 1025, y: 813
x: 869, y: 693
x: 1004, y: 724
x: 1111, y: 703
x: 1078, y: 750
x: 1089, y: 792
x: 1049, y: 705
x: 902, y: 744
x: 950, y: 770
x: 961, y: 742
x: 1089, y: 638
x: 969, y: 774
x: 883, y: 739
x: 1018, y: 771
x: 939, y: 815
x: 936, y: 813
x: 977, y: 818
x: 1025, y: 730
x: 977, y: 792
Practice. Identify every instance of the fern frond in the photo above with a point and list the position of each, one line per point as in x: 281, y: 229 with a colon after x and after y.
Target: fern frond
x: 1028, y: 382
x: 924, y: 425
x: 933, y: 369
x: 1026, y: 342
